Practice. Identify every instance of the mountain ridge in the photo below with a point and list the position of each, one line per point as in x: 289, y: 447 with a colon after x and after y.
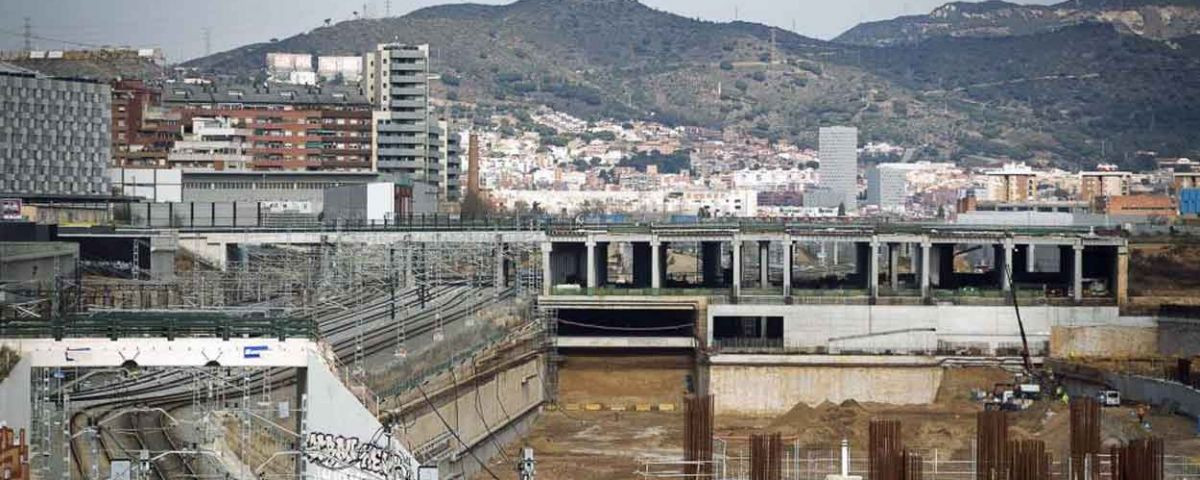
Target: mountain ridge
x: 1156, y: 19
x: 1097, y: 88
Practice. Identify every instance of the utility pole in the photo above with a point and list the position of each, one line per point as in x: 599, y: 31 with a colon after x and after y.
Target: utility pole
x: 28, y: 35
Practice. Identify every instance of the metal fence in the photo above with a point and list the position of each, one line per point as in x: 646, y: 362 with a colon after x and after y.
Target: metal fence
x: 801, y: 463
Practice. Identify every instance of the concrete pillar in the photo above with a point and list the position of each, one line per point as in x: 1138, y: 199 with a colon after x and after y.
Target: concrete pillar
x: 1077, y: 274
x: 162, y: 256
x: 592, y: 278
x: 1121, y: 287
x: 925, y: 252
x: 501, y: 280
x: 656, y: 264
x: 835, y: 253
x: 1007, y: 276
x: 1030, y: 258
x: 787, y: 267
x: 547, y: 274
x: 737, y: 267
x: 408, y: 262
x: 710, y: 262
x: 894, y: 266
x: 764, y: 264
x: 873, y: 269
x: 914, y: 259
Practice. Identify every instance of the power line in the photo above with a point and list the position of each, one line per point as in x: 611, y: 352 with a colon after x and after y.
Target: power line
x: 455, y: 434
x: 28, y: 35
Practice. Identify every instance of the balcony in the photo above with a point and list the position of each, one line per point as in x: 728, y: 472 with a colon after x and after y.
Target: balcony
x: 409, y: 104
x: 403, y: 91
x: 401, y: 152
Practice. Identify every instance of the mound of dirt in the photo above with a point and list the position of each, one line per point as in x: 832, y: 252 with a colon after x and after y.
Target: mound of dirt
x: 957, y: 384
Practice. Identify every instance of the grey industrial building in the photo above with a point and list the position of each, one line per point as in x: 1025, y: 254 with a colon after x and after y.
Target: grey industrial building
x: 55, y: 139
x: 410, y: 144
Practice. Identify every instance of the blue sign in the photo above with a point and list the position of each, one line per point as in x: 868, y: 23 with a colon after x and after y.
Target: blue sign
x: 253, y: 351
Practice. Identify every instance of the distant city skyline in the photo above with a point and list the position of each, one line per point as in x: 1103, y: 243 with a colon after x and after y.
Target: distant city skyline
x: 178, y: 28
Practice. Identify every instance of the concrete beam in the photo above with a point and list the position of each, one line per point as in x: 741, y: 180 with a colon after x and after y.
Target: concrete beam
x: 925, y: 253
x: 592, y: 275
x: 737, y: 267
x: 764, y: 263
x: 1077, y: 274
x: 1006, y: 268
x: 656, y: 264
x: 893, y: 250
x: 1122, y: 273
x: 788, y: 252
x: 547, y: 274
x: 873, y: 269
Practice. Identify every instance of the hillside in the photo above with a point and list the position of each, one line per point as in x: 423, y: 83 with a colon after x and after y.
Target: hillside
x: 1064, y: 95
x: 1155, y: 19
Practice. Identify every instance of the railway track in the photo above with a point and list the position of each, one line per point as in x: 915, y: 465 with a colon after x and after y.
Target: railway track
x: 340, y: 328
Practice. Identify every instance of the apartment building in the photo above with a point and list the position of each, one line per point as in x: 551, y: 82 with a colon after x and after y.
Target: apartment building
x: 213, y: 143
x: 410, y: 144
x: 55, y: 135
x: 1105, y: 183
x: 143, y: 132
x: 1013, y: 183
x: 287, y: 127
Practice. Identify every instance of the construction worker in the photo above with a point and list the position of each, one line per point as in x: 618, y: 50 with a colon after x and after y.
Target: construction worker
x: 1143, y: 411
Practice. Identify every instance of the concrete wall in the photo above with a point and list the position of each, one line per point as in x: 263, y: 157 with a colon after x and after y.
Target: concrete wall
x: 16, y: 397
x: 917, y: 328
x: 335, y: 420
x: 1179, y: 337
x: 502, y: 399
x: 775, y: 389
x: 1110, y: 342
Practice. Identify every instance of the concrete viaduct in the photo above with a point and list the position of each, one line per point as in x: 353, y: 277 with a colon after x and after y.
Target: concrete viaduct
x: 575, y: 258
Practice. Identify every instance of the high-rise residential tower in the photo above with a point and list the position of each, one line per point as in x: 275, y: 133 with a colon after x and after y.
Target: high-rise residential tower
x: 839, y: 170
x: 410, y: 143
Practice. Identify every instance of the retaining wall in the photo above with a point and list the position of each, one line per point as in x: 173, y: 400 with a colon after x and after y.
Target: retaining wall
x: 919, y: 327
x: 1108, y: 342
x: 775, y: 389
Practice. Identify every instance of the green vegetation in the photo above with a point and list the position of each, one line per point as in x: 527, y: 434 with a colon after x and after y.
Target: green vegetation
x: 1075, y: 95
x: 673, y: 163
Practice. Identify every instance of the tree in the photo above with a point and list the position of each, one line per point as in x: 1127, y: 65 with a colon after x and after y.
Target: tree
x: 726, y: 65
x: 741, y: 85
x: 841, y: 209
x: 327, y: 21
x: 474, y: 205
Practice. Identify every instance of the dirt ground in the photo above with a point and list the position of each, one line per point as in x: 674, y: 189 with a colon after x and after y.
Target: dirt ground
x: 623, y: 380
x: 612, y: 445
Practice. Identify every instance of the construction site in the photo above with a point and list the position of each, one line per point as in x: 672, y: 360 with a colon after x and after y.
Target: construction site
x: 724, y: 351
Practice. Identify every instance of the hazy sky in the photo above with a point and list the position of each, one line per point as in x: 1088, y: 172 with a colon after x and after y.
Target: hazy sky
x: 177, y: 26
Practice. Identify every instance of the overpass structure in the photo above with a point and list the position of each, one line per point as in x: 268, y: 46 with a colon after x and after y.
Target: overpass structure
x: 880, y: 263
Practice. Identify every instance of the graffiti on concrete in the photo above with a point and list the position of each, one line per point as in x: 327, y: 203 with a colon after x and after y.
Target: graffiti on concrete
x: 338, y: 452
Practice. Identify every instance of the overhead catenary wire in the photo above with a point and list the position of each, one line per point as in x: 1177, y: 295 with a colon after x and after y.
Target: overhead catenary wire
x: 627, y: 329
x: 454, y: 433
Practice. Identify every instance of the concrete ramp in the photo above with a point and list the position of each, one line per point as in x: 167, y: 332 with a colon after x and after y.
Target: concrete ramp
x: 342, y: 438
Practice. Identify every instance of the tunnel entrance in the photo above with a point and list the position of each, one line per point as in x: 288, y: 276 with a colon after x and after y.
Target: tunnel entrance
x: 626, y: 323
